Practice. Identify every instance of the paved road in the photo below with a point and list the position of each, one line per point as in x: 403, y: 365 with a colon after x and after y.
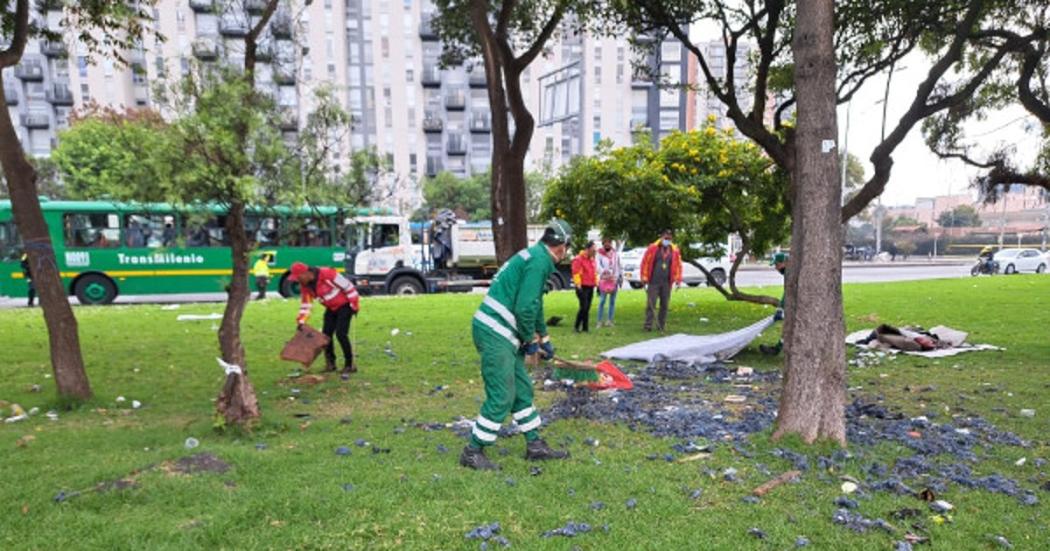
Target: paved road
x: 749, y: 277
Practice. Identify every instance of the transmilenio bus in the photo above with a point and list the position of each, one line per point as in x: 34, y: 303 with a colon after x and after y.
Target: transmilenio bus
x: 104, y: 249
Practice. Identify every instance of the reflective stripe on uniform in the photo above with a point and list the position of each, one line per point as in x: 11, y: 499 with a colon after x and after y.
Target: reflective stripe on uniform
x: 524, y: 413
x: 501, y: 310
x: 531, y: 425
x: 330, y: 294
x: 525, y: 254
x: 494, y: 325
x: 482, y: 435
x: 494, y: 427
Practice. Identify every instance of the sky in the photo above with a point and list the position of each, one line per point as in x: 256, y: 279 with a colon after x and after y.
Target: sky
x: 917, y: 172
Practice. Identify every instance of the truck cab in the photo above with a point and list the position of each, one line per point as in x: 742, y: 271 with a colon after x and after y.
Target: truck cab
x: 380, y: 256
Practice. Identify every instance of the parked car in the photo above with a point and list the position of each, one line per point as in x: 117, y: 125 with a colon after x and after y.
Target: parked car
x: 691, y: 275
x: 1021, y: 260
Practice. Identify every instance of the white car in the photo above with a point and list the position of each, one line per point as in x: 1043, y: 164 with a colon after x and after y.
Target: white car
x: 691, y: 275
x: 1013, y: 261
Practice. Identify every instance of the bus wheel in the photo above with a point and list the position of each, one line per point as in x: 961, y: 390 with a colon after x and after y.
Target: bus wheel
x: 406, y: 285
x: 95, y: 289
x: 289, y: 287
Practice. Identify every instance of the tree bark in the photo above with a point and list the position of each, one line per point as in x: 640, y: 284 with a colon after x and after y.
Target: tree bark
x: 812, y: 401
x: 64, y: 342
x: 237, y: 402
x: 494, y: 67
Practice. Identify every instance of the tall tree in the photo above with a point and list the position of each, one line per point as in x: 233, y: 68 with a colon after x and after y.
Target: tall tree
x: 508, y: 35
x: 962, y: 216
x: 103, y: 27
x: 869, y: 39
x: 813, y: 399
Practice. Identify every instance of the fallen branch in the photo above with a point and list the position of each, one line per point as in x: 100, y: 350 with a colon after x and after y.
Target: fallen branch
x: 778, y: 481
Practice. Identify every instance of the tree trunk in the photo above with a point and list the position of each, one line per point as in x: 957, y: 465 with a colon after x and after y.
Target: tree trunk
x: 237, y: 402
x: 66, y: 361
x: 812, y: 401
x: 516, y: 211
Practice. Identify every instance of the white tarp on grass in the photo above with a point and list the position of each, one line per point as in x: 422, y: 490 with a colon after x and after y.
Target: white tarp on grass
x: 695, y: 349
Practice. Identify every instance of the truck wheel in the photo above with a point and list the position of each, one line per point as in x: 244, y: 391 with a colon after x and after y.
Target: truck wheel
x: 554, y: 283
x: 406, y: 285
x: 636, y: 284
x: 288, y: 288
x: 718, y: 276
x: 95, y: 289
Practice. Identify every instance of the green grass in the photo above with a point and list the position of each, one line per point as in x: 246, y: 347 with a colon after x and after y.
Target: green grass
x: 290, y: 495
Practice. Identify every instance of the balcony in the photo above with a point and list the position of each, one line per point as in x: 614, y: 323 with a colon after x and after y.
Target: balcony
x: 202, y: 6
x: 480, y: 123
x: 11, y: 95
x: 36, y: 120
x: 138, y: 57
x: 255, y: 7
x: 640, y: 78
x: 434, y: 166
x: 232, y: 27
x: 426, y: 27
x: 431, y: 76
x: 59, y: 94
x: 141, y: 93
x: 477, y: 78
x: 289, y: 121
x: 282, y: 25
x: 50, y: 5
x: 29, y: 71
x: 284, y: 75
x: 455, y: 100
x: 456, y: 145
x: 432, y: 123
x: 205, y: 49
x: 264, y: 52
x: 53, y: 49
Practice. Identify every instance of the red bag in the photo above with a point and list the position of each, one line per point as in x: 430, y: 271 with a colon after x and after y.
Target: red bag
x: 606, y: 286
x: 609, y: 376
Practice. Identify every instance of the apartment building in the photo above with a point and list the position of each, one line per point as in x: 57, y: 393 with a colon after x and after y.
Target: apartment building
x: 382, y: 56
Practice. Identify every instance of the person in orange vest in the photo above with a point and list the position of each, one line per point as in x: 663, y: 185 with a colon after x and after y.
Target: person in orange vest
x: 585, y: 278
x: 341, y: 302
x: 661, y: 269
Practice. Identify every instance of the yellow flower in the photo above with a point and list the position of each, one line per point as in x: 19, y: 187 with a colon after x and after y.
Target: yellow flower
x: 694, y: 170
x: 712, y: 119
x: 710, y: 132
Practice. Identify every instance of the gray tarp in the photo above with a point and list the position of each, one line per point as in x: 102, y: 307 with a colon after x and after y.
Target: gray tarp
x: 695, y: 349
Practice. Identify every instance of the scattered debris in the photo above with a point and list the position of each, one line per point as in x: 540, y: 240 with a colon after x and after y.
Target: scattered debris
x: 848, y: 488
x: 196, y: 317
x: 191, y: 443
x: 342, y: 450
x: 941, y: 506
x: 801, y: 541
x: 571, y: 529
x: 1002, y: 542
x: 631, y: 503
x: 201, y: 462
x: 756, y: 533
x: 778, y: 481
x: 1027, y: 413
x: 735, y: 399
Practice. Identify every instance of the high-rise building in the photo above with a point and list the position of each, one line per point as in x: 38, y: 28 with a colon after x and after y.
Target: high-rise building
x: 382, y: 58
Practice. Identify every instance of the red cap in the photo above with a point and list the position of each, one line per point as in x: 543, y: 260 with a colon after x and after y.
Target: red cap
x: 298, y: 268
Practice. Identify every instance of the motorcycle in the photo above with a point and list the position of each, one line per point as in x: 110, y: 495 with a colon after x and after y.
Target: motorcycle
x: 985, y: 267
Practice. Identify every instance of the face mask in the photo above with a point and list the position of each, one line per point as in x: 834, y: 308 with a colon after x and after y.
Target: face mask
x: 608, y: 248
x: 667, y: 242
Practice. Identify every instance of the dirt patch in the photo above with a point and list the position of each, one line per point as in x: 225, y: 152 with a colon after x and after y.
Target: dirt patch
x: 199, y: 463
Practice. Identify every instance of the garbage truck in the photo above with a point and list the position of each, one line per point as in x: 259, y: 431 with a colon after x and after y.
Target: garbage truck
x: 449, y: 255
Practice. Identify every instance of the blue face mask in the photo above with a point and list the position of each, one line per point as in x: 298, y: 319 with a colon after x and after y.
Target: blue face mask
x: 666, y: 242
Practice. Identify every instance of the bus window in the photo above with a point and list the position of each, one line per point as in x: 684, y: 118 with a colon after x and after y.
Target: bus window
x: 262, y: 231
x: 307, y: 232
x: 356, y: 236
x: 385, y: 235
x: 10, y: 244
x: 98, y: 230
x: 149, y: 230
x: 206, y: 232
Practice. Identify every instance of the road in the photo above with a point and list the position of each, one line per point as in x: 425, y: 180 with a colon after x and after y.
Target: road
x: 753, y: 276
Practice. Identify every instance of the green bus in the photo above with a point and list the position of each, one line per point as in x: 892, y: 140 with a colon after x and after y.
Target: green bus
x: 105, y: 249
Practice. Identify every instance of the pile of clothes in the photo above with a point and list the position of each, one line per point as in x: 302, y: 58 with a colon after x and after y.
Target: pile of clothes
x: 938, y: 341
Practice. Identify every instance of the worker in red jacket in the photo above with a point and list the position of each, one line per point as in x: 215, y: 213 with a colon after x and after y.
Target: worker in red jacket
x: 585, y: 278
x: 661, y: 269
x: 341, y: 302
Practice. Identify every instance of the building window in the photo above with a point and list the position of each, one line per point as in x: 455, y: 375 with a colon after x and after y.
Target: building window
x: 385, y: 46
x: 597, y: 53
x: 180, y: 18
x: 82, y: 66
x: 331, y: 71
x: 85, y: 94
x: 329, y: 44
x: 409, y: 75
x: 598, y: 75
x: 388, y: 114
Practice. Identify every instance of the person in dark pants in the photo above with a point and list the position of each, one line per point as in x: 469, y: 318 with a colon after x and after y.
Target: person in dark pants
x: 261, y: 271
x: 341, y: 302
x: 585, y: 278
x: 661, y: 269
x: 29, y: 279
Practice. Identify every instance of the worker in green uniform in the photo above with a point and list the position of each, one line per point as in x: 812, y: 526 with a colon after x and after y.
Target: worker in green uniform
x: 779, y: 263
x: 508, y: 326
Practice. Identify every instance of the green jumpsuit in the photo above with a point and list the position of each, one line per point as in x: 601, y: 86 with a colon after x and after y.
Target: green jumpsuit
x: 510, y: 315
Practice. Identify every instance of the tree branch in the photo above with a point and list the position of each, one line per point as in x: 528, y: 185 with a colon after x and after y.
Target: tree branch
x: 549, y: 27
x: 13, y: 54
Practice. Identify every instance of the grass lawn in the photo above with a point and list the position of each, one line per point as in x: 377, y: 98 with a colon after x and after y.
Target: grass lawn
x: 287, y: 488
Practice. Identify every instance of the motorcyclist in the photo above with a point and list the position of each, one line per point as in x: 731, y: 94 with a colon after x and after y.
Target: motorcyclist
x: 987, y: 259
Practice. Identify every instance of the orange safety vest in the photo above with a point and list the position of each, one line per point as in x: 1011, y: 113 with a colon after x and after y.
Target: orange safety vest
x: 650, y: 258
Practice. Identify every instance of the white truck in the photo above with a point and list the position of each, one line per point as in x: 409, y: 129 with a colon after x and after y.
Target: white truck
x: 381, y: 256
